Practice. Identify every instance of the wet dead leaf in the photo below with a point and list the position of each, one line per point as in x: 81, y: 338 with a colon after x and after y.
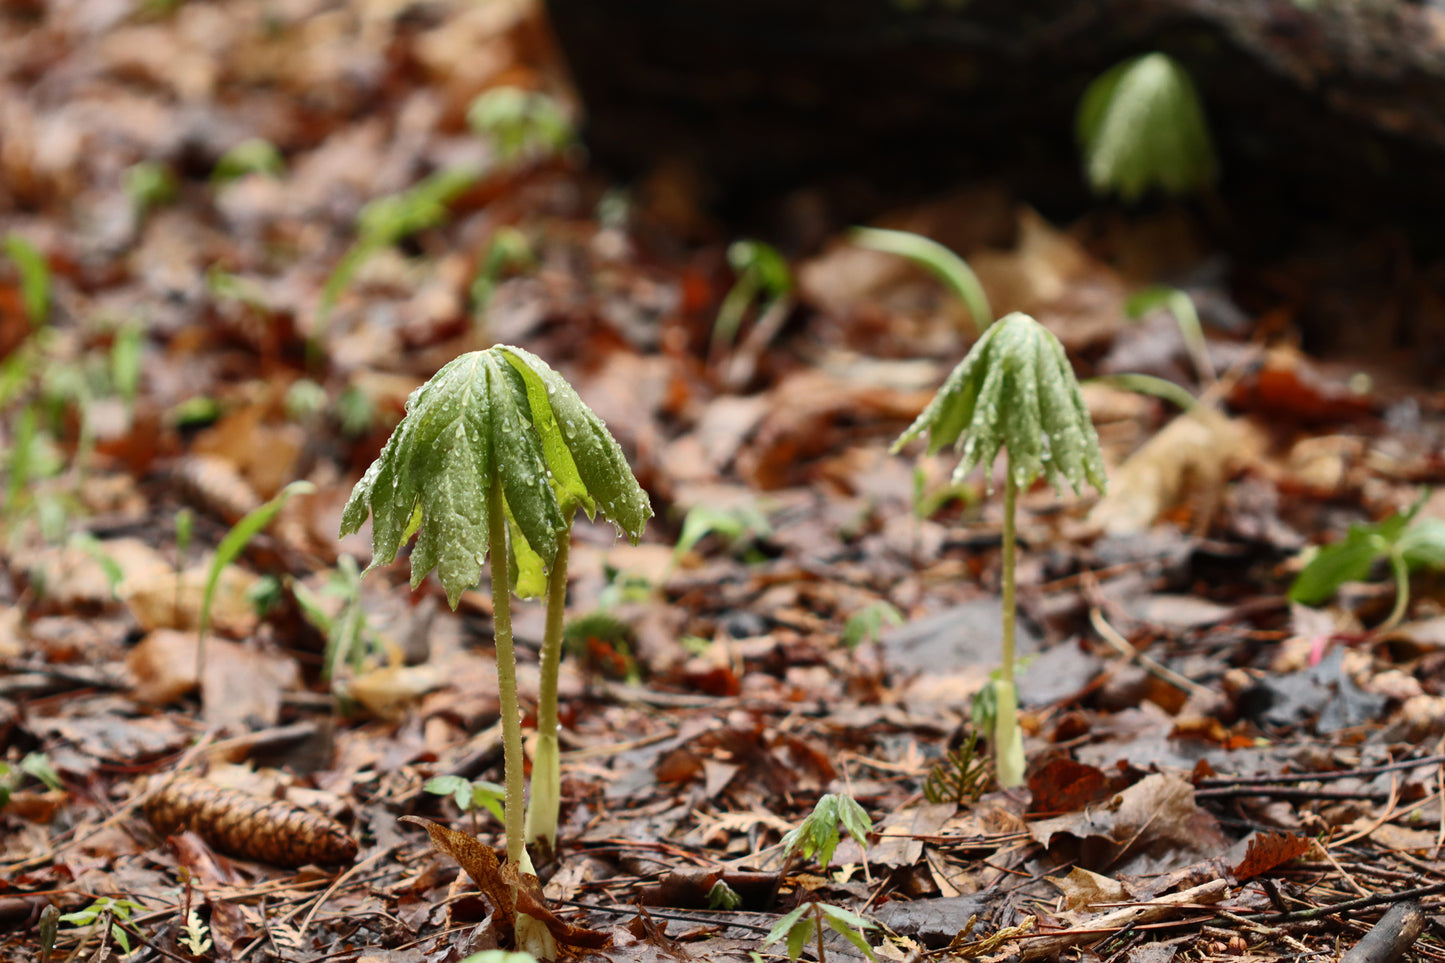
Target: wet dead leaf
x: 1267, y: 851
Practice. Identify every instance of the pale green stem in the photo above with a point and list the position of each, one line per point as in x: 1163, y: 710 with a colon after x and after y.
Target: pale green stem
x: 1010, y: 504
x: 1402, y: 592
x: 506, y: 672
x: 543, y: 807
x: 1008, y: 744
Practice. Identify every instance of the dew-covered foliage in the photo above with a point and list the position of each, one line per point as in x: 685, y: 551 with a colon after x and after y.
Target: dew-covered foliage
x: 500, y: 413
x: 1015, y: 390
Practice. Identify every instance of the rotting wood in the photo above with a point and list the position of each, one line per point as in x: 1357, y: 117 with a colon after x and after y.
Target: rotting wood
x: 1388, y: 939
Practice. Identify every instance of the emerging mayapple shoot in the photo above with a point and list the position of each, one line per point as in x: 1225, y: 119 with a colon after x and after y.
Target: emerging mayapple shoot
x: 1014, y: 390
x: 1142, y: 127
x: 494, y: 456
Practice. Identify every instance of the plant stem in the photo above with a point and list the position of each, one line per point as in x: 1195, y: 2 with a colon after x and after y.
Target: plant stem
x: 506, y: 671
x: 1010, y: 504
x: 546, y: 775
x: 1402, y: 592
x: 1008, y: 744
x: 818, y: 923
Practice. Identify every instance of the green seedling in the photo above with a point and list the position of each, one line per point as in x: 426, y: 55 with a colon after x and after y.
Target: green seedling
x: 927, y: 503
x: 522, y: 124
x: 1181, y: 306
x: 494, y: 456
x: 36, y: 765
x: 471, y: 796
x: 723, y: 897
x: 808, y: 922
x: 348, y: 640
x: 230, y: 548
x: 149, y: 185
x: 738, y: 525
x: 252, y: 156
x: 34, y: 273
x: 960, y: 777
x: 763, y: 279
x: 818, y: 834
x: 109, y: 912
x: 1405, y: 541
x: 1142, y: 127
x: 354, y: 411
x: 866, y: 624
x: 601, y: 642
x: 225, y: 286
x: 305, y: 399
x: 1161, y: 388
x: 1014, y: 390
x: 125, y: 362
x: 938, y: 260
x: 384, y: 222
x: 507, y: 252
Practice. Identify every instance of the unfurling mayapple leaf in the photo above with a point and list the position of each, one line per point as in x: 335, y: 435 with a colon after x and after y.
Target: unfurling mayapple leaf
x: 1016, y: 390
x: 239, y: 824
x: 500, y: 413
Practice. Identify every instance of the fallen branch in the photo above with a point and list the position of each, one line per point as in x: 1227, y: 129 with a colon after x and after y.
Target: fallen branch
x: 1388, y: 939
x: 1107, y: 924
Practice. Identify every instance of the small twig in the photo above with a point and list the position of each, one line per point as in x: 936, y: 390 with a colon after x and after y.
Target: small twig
x: 1221, y: 781
x: 1330, y: 909
x: 1111, y: 635
x: 1287, y: 792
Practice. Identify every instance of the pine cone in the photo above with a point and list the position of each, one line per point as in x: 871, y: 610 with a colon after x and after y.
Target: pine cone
x: 239, y: 824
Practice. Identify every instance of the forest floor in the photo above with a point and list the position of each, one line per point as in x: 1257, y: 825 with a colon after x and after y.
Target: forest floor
x: 1215, y: 772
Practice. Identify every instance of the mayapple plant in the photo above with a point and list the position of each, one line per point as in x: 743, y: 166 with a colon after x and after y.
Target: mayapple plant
x: 494, y: 456
x: 1014, y: 390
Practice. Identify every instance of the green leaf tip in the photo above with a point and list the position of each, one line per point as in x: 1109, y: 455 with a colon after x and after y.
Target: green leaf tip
x: 1015, y: 389
x: 502, y: 413
x: 1142, y: 126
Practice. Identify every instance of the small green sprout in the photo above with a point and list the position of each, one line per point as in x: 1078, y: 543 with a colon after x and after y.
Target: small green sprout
x: 387, y: 221
x: 1141, y: 126
x: 961, y: 775
x: 723, y: 897
x: 739, y: 525
x: 866, y: 624
x: 1181, y: 306
x: 36, y: 765
x: 470, y: 795
x: 762, y: 277
x: 508, y: 251
x: 349, y: 641
x: 232, y: 544
x: 304, y: 400
x: 125, y: 362
x: 254, y: 155
x: 149, y: 185
x: 34, y: 273
x: 521, y: 123
x: 1014, y: 390
x: 945, y: 265
x: 809, y: 920
x: 494, y: 456
x: 107, y: 910
x: 1408, y: 543
x: 818, y: 832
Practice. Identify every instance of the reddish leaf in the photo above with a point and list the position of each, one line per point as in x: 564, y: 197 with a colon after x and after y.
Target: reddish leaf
x: 1268, y: 850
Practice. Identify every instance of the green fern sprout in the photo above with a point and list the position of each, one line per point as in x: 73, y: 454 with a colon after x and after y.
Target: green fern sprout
x: 961, y: 775
x: 1014, y: 390
x: 1141, y: 126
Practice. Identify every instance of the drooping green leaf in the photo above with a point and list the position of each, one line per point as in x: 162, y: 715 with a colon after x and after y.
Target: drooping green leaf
x: 596, y: 457
x: 1015, y: 389
x: 818, y: 832
x: 849, y: 925
x: 1398, y: 537
x: 867, y: 623
x: 501, y: 412
x: 1142, y: 126
x: 785, y: 927
x: 939, y: 260
x: 236, y: 540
